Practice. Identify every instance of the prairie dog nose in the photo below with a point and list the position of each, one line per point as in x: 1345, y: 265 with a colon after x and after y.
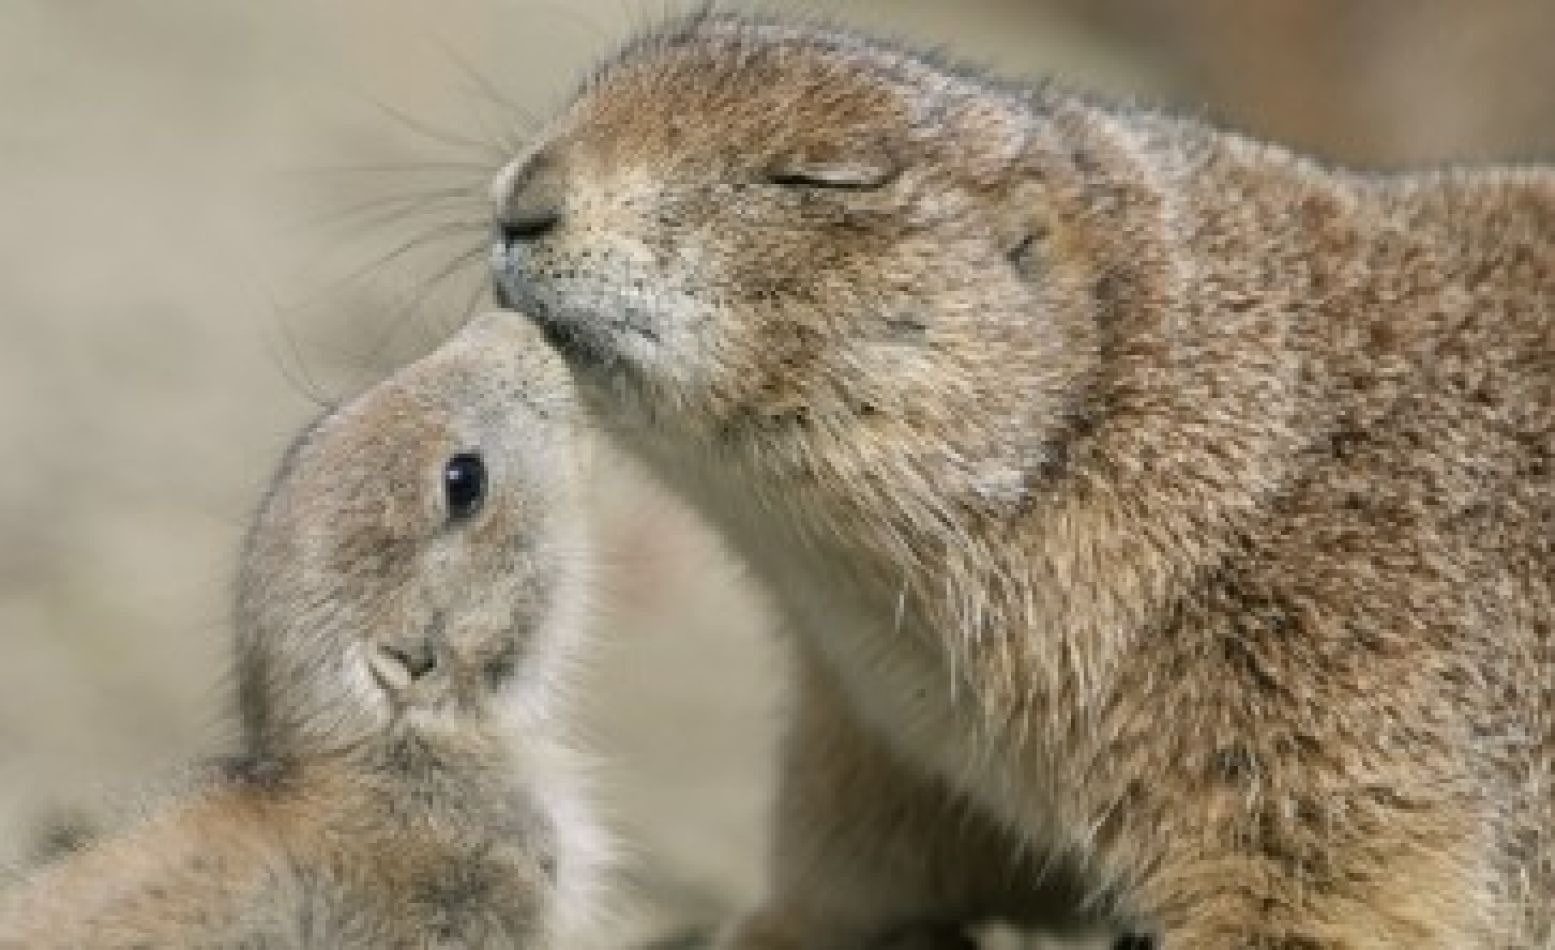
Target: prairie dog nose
x: 528, y: 196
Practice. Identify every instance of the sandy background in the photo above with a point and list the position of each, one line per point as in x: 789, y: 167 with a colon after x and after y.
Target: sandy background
x: 212, y: 211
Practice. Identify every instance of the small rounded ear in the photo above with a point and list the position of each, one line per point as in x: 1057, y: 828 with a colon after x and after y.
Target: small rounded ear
x: 1027, y: 226
x: 856, y: 172
x: 843, y: 164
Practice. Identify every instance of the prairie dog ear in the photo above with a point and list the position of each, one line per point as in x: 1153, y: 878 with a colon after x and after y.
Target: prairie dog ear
x: 858, y: 166
x: 1027, y: 227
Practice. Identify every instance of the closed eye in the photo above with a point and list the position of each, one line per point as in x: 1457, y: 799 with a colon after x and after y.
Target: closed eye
x: 836, y: 177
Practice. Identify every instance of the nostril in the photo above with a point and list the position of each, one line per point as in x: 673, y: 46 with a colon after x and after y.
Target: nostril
x: 528, y: 225
x: 417, y: 661
x: 396, y: 667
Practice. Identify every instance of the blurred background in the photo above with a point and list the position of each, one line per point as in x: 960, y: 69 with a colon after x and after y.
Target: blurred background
x: 214, y: 215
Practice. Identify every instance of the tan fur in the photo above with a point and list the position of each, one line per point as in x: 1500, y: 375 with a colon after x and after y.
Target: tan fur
x: 376, y: 803
x: 1147, y: 503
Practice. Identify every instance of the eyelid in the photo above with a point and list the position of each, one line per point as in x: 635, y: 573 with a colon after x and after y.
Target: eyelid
x: 841, y: 176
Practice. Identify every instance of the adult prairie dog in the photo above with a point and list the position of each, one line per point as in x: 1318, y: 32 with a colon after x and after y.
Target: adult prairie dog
x: 1150, y: 506
x: 409, y: 600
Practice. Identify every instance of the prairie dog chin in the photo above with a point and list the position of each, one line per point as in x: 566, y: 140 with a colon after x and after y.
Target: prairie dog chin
x: 1165, y: 521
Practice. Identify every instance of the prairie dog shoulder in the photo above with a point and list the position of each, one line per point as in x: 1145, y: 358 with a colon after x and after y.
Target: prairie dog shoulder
x: 410, y: 599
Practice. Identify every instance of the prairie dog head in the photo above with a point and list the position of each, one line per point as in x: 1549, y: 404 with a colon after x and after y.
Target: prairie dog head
x: 416, y: 568
x: 811, y: 246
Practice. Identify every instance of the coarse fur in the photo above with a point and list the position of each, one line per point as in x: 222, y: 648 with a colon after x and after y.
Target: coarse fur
x: 1153, y: 510
x: 405, y: 780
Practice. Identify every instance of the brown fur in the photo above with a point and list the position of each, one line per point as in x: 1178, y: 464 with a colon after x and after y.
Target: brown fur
x: 1147, y: 503
x: 376, y: 803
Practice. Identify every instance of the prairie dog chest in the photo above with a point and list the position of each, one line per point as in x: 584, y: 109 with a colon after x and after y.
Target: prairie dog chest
x: 892, y: 673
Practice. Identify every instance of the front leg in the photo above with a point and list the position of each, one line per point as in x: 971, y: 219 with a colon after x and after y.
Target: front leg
x: 868, y: 854
x: 1341, y: 870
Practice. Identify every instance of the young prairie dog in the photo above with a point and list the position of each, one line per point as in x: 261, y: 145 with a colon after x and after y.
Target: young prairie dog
x: 1154, y: 511
x: 409, y: 603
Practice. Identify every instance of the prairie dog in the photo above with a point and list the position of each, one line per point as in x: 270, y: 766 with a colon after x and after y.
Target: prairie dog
x: 409, y: 602
x: 1149, y: 505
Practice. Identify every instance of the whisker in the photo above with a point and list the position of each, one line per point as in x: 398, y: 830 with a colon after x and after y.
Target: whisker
x: 462, y: 192
x: 440, y: 232
x: 294, y: 368
x: 482, y: 288
x: 403, y: 168
x: 486, y: 87
x: 447, y: 270
x: 389, y: 208
x: 509, y: 141
x: 442, y: 136
x: 401, y: 315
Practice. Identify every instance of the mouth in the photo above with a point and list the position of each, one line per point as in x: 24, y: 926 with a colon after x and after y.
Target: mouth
x: 558, y: 333
x: 592, y: 333
x: 513, y: 292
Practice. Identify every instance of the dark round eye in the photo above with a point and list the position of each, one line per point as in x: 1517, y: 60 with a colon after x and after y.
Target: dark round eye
x: 464, y: 485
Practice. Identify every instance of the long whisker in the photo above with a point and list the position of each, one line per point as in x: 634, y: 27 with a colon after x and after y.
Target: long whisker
x: 401, y: 315
x: 392, y: 208
x: 292, y: 364
x: 447, y: 270
x: 438, y: 233
x: 450, y: 139
x: 295, y: 370
x: 482, y: 287
x: 510, y: 141
x: 402, y: 168
x: 486, y: 87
